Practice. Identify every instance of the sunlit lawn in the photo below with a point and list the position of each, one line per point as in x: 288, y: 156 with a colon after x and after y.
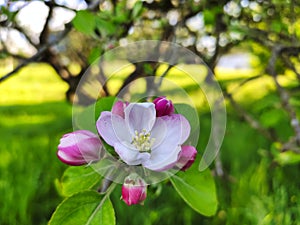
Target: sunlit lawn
x: 34, y: 115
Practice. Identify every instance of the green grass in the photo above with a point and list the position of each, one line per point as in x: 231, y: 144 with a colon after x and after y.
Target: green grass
x: 33, y: 116
x: 29, y: 138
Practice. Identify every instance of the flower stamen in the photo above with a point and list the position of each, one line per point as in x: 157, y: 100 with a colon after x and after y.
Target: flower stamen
x: 142, y: 141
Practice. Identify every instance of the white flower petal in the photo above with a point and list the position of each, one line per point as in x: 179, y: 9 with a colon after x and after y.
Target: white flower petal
x: 121, y: 129
x: 164, y: 153
x: 112, y: 128
x: 131, y: 156
x: 105, y: 128
x: 177, y: 131
x: 160, y: 160
x: 140, y: 116
x: 158, y: 132
x: 178, y: 128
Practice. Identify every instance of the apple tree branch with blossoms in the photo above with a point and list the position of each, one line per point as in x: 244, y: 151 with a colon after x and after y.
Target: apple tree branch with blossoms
x: 150, y: 136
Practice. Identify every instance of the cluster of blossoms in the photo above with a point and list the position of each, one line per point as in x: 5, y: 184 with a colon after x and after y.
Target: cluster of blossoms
x: 149, y: 134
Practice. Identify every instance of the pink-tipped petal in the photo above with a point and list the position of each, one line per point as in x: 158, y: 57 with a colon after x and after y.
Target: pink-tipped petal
x: 187, y: 157
x: 118, y: 108
x: 88, y: 148
x: 79, y: 148
x: 72, y: 161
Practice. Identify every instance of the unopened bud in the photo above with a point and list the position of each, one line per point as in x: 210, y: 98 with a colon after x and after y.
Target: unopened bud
x: 134, y: 190
x: 187, y: 157
x: 79, y: 148
x: 163, y: 106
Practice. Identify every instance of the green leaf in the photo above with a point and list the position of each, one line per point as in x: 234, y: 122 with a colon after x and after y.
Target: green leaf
x: 272, y: 117
x: 121, y: 13
x: 197, y: 189
x: 276, y: 26
x: 104, y: 104
x: 137, y: 9
x: 85, y: 22
x: 287, y: 158
x: 79, y: 178
x: 209, y: 17
x: 106, y: 27
x: 11, y: 15
x: 84, y: 208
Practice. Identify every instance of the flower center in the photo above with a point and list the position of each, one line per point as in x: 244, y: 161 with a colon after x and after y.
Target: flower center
x: 142, y: 141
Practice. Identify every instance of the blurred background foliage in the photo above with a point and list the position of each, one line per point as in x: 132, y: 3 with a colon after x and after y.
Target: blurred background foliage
x: 253, y: 49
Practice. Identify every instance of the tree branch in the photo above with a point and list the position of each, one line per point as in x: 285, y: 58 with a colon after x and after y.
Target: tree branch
x: 284, y: 95
x: 37, y: 56
x: 45, y: 32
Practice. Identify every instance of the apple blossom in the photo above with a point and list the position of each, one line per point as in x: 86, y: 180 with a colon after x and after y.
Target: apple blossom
x: 79, y: 148
x: 142, y: 138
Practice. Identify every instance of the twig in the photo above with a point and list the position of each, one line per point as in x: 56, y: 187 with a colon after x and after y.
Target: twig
x: 25, y: 63
x: 45, y: 32
x: 44, y: 47
x: 240, y: 85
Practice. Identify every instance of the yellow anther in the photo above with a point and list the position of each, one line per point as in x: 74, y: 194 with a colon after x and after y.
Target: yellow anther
x: 142, y: 141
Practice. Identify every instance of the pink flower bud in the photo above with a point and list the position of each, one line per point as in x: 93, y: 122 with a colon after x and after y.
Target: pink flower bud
x: 134, y: 190
x: 163, y: 106
x: 186, y: 157
x: 79, y: 148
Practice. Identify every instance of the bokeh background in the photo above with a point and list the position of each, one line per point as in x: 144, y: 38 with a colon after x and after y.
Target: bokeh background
x: 251, y: 46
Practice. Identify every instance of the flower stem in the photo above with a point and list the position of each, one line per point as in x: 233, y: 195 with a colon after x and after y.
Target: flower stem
x: 107, y: 194
x: 104, y: 186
